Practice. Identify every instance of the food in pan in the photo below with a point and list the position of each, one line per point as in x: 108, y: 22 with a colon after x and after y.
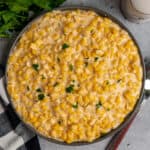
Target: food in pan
x: 74, y: 75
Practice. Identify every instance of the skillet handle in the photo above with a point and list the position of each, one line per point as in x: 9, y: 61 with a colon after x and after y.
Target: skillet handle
x: 3, y: 95
x: 147, y: 81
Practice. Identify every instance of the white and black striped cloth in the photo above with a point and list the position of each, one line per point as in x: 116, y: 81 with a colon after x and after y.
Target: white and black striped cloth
x: 14, y: 135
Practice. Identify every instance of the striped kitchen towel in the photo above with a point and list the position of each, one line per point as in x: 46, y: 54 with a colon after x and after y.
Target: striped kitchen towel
x: 13, y: 134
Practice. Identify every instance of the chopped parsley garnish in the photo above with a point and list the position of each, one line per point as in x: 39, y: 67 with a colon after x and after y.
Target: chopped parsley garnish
x: 64, y: 46
x: 96, y: 59
x: 43, y: 77
x: 41, y: 96
x: 70, y: 67
x: 58, y: 59
x: 38, y: 90
x: 35, y: 67
x: 70, y: 89
x: 59, y: 122
x: 118, y: 81
x: 28, y: 88
x: 98, y: 105
x: 107, y: 82
x: 75, y: 105
x: 55, y: 84
x: 92, y: 31
x: 86, y: 64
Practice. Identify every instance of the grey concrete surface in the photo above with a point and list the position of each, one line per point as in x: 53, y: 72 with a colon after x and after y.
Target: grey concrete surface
x: 138, y: 136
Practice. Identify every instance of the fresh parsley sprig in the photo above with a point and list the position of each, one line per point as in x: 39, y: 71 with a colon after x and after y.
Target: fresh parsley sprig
x: 14, y: 15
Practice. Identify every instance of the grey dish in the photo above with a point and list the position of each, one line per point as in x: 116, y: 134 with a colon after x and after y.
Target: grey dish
x: 139, y: 101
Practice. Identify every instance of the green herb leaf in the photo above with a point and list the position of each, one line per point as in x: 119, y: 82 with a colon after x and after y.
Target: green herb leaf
x: 14, y: 14
x: 41, y: 96
x: 98, y: 105
x: 44, y: 4
x: 64, y: 46
x: 59, y: 122
x: 38, y: 90
x: 35, y: 67
x: 70, y: 89
x: 75, y: 106
x: 58, y: 59
x: 92, y: 30
x: 96, y: 59
x: 70, y: 67
x: 17, y: 7
x: 118, y: 81
x: 43, y: 77
x: 107, y: 82
x: 28, y: 88
x: 86, y: 64
x: 55, y: 84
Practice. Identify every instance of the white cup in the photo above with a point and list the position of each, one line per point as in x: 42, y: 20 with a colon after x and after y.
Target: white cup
x: 136, y: 10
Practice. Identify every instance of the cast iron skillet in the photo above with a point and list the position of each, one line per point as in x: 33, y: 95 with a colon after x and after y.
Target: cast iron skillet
x: 139, y: 101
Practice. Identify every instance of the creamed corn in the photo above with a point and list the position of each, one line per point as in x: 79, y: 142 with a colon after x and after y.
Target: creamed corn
x: 74, y: 75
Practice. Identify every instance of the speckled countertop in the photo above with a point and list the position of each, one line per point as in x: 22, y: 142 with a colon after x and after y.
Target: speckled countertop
x: 138, y: 136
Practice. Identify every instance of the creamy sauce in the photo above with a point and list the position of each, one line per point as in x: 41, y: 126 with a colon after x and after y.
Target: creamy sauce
x: 74, y: 75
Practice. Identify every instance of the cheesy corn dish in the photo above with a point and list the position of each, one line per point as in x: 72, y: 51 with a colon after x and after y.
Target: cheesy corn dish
x: 74, y: 75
